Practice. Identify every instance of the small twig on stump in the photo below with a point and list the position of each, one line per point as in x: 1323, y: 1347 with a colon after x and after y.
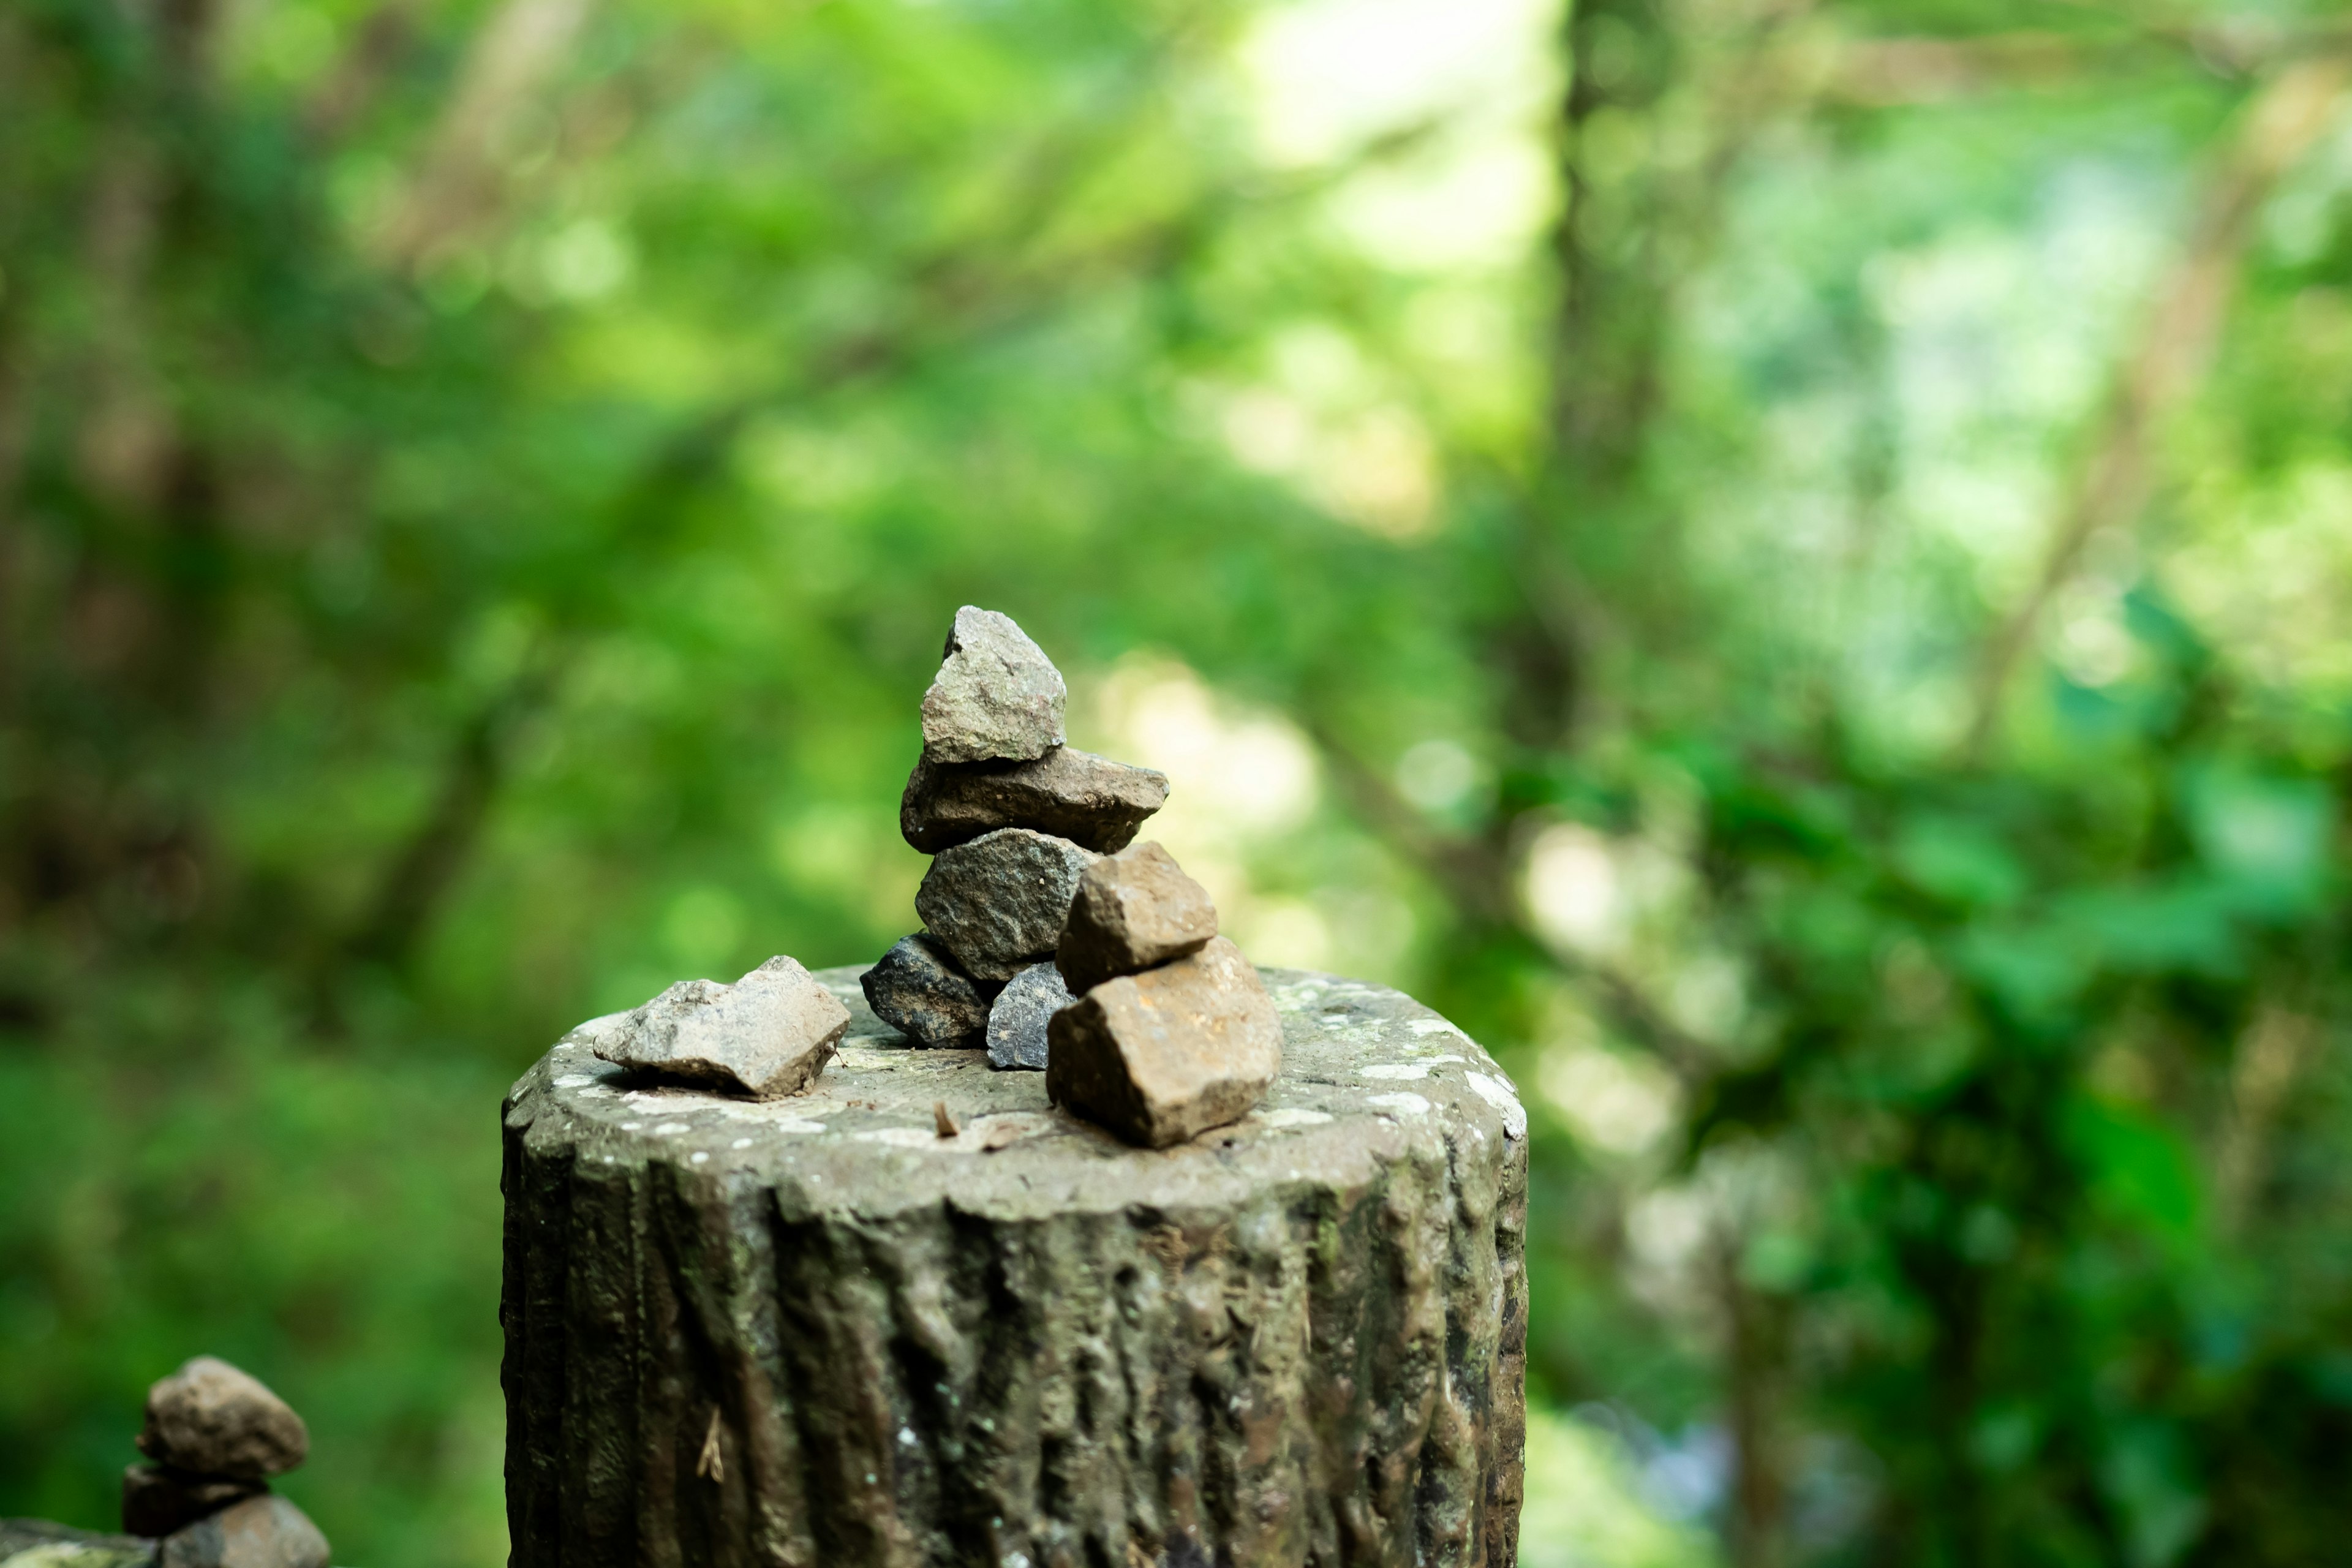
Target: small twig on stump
x: 711, y: 1466
x: 948, y: 1128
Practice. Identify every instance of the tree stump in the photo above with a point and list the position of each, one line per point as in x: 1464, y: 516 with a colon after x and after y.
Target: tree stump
x: 819, y: 1331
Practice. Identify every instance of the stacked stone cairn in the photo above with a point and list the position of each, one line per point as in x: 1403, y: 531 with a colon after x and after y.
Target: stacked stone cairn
x: 214, y: 1437
x: 1045, y: 936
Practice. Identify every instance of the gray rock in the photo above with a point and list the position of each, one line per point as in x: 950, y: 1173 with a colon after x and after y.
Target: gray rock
x: 1166, y: 1054
x: 211, y: 1419
x: 266, y: 1531
x: 918, y: 990
x: 769, y: 1035
x: 1133, y: 910
x: 38, y: 1544
x: 997, y: 903
x: 158, y: 1500
x: 996, y: 695
x: 1017, y: 1025
x: 1091, y: 801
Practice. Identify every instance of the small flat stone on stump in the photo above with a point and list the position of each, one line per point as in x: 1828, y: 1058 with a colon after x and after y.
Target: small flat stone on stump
x: 1166, y: 1054
x: 211, y: 1419
x: 1017, y: 1025
x: 1091, y: 801
x: 266, y: 1531
x: 158, y: 1500
x: 38, y: 1544
x: 919, y: 990
x: 767, y: 1036
x: 997, y: 903
x: 1133, y: 912
x: 996, y: 694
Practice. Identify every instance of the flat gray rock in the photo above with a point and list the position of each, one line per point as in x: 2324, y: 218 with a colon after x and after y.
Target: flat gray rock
x: 767, y: 1036
x: 266, y: 1531
x: 158, y: 1500
x: 1017, y: 1025
x: 997, y: 903
x: 210, y: 1419
x: 1133, y: 910
x: 996, y: 694
x: 37, y: 1543
x: 1091, y: 801
x: 918, y: 990
x: 1164, y: 1055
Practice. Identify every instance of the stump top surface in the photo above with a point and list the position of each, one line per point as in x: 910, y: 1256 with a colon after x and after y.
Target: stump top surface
x: 1368, y: 1075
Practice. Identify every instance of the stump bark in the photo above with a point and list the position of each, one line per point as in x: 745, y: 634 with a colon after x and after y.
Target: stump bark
x: 816, y: 1332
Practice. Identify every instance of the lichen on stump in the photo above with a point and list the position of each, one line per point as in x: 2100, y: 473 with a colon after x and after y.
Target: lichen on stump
x: 814, y: 1330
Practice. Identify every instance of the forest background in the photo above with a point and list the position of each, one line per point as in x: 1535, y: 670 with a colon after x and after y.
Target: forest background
x: 1786, y: 563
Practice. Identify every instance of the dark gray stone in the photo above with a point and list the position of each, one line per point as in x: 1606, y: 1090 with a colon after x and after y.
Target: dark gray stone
x: 1017, y: 1025
x: 996, y: 695
x: 37, y: 1543
x: 1164, y: 1055
x: 266, y: 1531
x: 919, y: 990
x: 158, y: 1500
x: 1133, y: 910
x: 1091, y: 801
x: 211, y: 1419
x: 997, y: 903
x: 767, y: 1036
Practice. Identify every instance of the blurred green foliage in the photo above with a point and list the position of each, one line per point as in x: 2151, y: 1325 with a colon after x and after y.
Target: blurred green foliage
x: 1785, y: 565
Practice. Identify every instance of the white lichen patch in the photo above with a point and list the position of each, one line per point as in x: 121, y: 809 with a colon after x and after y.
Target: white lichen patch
x: 779, y: 1115
x: 1434, y: 1026
x: 907, y: 1137
x: 1401, y: 1103
x: 1296, y: 1116
x: 980, y: 1135
x: 1498, y: 1093
x: 669, y: 1130
x: 575, y: 1081
x: 1395, y: 1072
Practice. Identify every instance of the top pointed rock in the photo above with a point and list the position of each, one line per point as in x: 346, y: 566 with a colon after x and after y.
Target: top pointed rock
x: 211, y: 1419
x: 996, y: 697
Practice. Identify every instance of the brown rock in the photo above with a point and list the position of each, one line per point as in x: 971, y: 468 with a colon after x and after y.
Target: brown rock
x: 1133, y: 910
x: 1091, y: 801
x: 266, y: 1531
x: 1163, y: 1055
x: 210, y: 1419
x: 158, y: 1500
x: 767, y: 1036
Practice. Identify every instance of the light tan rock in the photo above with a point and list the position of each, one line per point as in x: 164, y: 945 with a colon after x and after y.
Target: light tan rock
x: 211, y: 1419
x: 997, y: 696
x: 767, y: 1036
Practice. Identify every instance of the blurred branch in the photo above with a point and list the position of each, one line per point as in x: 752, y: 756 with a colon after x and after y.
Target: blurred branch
x: 2269, y: 1057
x: 429, y: 864
x: 1476, y: 875
x: 358, y: 75
x: 2178, y: 342
x: 1909, y: 72
x: 511, y: 59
